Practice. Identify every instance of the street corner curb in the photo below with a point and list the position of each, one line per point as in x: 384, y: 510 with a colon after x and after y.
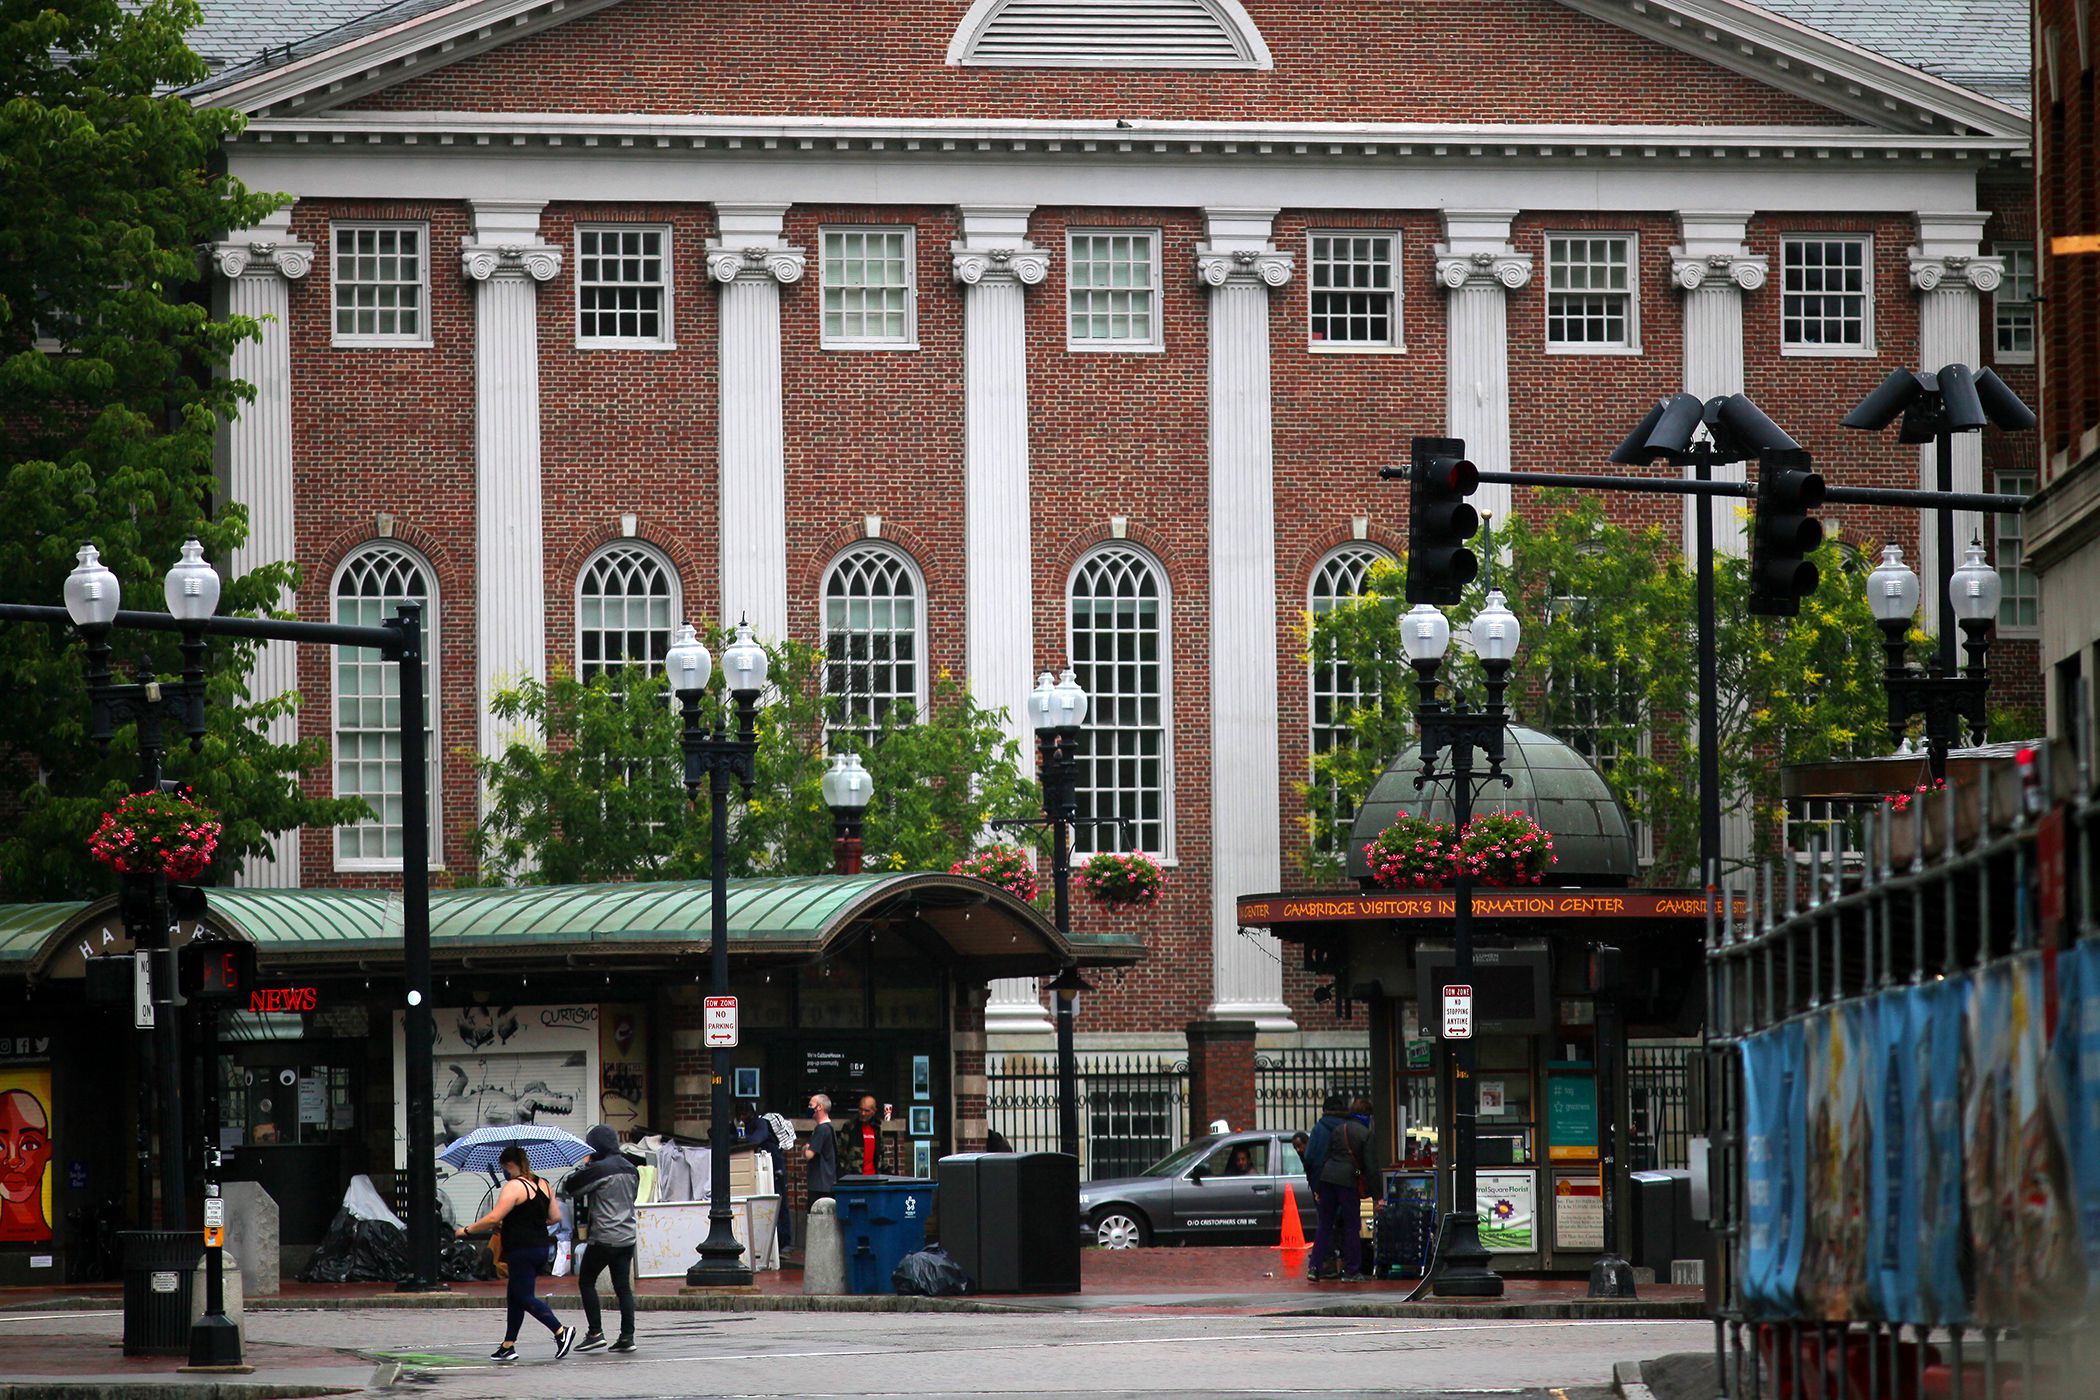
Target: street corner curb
x: 661, y: 1302
x: 1626, y: 1379
x: 165, y: 1390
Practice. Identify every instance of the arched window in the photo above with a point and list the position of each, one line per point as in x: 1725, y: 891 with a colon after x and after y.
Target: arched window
x: 1119, y: 616
x: 371, y: 583
x: 626, y: 606
x: 1335, y: 689
x: 874, y: 637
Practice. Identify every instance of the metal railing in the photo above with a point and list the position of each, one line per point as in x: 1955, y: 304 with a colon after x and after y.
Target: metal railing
x: 1291, y: 1085
x: 1133, y: 1108
x: 1665, y: 1093
x: 1903, y: 1137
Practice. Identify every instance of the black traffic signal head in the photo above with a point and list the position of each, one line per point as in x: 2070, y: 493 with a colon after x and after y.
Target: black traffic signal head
x: 1440, y: 520
x: 1741, y: 430
x: 1785, y: 533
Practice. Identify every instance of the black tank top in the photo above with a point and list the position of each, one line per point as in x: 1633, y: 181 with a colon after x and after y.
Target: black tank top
x: 526, y: 1225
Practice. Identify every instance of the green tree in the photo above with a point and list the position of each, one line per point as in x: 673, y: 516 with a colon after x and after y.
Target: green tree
x: 109, y: 386
x: 599, y: 795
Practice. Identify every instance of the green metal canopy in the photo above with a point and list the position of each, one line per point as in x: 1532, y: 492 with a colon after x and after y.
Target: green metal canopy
x: 795, y: 916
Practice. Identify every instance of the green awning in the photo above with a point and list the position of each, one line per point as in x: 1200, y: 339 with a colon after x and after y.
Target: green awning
x: 791, y: 916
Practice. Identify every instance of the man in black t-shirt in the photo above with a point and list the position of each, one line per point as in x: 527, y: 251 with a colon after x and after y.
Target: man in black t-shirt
x: 822, y: 1153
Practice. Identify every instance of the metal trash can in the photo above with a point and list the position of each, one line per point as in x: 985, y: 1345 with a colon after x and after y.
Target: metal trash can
x: 1006, y: 1218
x: 881, y: 1219
x: 160, y: 1269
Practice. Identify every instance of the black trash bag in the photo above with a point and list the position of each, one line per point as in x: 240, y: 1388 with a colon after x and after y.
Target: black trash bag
x: 359, y: 1251
x: 465, y: 1261
x: 931, y: 1274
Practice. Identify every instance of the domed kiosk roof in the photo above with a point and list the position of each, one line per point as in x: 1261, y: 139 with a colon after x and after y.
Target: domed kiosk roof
x: 1557, y: 786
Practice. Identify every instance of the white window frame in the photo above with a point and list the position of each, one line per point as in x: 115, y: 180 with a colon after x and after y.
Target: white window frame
x: 677, y: 602
x: 1109, y: 837
x: 1157, y: 344
x: 1644, y: 747
x: 1397, y: 344
x: 433, y: 654
x: 667, y: 284
x: 352, y: 340
x: 910, y: 339
x: 2000, y: 304
x: 920, y: 664
x: 1315, y: 605
x: 1632, y: 344
x: 1865, y: 349
x: 2005, y: 481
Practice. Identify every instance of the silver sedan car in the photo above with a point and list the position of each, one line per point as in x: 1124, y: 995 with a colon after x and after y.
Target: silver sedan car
x: 1226, y: 1188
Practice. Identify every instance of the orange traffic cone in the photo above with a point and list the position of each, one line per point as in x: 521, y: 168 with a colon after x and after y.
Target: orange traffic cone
x: 1292, y: 1245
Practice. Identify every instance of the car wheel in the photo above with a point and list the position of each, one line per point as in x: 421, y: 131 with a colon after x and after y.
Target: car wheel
x: 1119, y: 1227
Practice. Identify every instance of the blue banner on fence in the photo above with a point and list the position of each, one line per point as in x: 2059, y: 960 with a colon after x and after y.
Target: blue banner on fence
x: 2047, y: 1268
x: 2075, y: 1092
x: 1834, y: 1257
x: 1897, y: 1124
x: 1774, y: 1104
x: 1934, y: 1172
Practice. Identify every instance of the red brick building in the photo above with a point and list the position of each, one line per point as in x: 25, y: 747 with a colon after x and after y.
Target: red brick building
x: 983, y: 337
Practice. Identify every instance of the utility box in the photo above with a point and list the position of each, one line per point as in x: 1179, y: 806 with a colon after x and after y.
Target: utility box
x: 1010, y: 1220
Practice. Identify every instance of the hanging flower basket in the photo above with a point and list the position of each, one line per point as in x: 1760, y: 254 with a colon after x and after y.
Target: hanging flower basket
x: 1123, y: 880
x: 1414, y: 853
x: 157, y: 833
x: 1900, y: 801
x: 1004, y: 866
x: 1506, y: 848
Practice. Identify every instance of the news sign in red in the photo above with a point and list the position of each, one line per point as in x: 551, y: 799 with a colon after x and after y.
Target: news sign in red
x: 1458, y: 1011
x: 718, y: 1023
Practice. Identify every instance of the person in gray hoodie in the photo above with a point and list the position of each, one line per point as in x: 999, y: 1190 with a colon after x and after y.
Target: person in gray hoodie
x: 604, y: 1185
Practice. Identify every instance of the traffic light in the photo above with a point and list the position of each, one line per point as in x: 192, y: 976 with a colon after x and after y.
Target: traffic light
x: 216, y: 969
x: 1440, y: 520
x: 1785, y: 533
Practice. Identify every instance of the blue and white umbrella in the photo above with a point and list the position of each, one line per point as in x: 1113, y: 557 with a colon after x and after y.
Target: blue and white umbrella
x: 545, y: 1147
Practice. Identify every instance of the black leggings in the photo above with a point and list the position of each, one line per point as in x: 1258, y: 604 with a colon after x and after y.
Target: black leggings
x: 526, y: 1266
x: 597, y: 1258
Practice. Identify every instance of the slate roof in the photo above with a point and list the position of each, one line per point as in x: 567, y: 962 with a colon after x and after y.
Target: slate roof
x: 1981, y: 45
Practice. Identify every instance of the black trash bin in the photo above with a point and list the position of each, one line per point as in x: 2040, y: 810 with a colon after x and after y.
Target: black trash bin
x: 160, y: 1269
x: 1011, y: 1220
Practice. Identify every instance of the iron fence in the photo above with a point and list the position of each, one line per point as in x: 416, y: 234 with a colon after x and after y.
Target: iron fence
x: 1665, y: 1090
x: 1133, y: 1109
x: 1291, y: 1085
x: 1904, y: 1065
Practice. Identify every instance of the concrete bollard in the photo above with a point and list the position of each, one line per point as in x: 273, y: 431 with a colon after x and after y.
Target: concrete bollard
x: 823, y: 1250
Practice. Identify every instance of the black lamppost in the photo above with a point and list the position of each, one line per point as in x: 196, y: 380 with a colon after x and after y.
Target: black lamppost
x: 1462, y: 1268
x: 847, y: 790
x: 715, y: 758
x: 1057, y: 708
x: 1948, y: 702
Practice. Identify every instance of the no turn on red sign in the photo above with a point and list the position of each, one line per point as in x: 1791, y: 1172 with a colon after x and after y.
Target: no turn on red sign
x: 1458, y: 1011
x: 718, y: 1023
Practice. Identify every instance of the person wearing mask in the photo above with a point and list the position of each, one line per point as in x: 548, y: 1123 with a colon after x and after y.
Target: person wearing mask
x: 822, y: 1153
x: 604, y: 1187
x: 863, y: 1145
x: 1336, y: 1159
x: 524, y: 1210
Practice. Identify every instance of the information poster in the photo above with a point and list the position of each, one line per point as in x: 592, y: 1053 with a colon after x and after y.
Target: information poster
x: 1508, y: 1205
x: 1571, y: 1117
x: 1578, y: 1212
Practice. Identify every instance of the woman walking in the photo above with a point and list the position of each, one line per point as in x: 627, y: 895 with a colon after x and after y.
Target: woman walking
x: 525, y: 1208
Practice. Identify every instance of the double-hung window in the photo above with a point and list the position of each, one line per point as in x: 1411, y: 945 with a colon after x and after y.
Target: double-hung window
x: 2020, y: 605
x: 1826, y: 296
x: 874, y: 639
x: 869, y: 291
x: 2013, y: 305
x: 623, y: 287
x: 1119, y: 648
x: 1591, y: 304
x: 369, y: 586
x: 1337, y: 692
x: 380, y: 278
x: 1113, y: 296
x: 1352, y: 292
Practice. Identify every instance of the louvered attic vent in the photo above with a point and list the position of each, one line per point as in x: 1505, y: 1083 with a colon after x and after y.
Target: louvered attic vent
x: 1109, y: 34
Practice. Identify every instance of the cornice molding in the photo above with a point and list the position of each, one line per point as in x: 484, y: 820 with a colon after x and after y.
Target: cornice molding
x: 1267, y: 267
x: 1955, y: 272
x: 1508, y: 270
x: 482, y: 262
x: 261, y: 257
x: 1023, y: 263
x: 1718, y: 272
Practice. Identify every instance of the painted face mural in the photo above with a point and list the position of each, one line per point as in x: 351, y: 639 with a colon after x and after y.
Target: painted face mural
x: 25, y: 1153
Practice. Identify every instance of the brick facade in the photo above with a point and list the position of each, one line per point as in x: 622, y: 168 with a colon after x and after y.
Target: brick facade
x: 1221, y: 1073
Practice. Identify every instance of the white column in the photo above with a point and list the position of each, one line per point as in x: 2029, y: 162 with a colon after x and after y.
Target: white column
x: 259, y: 265
x: 1950, y: 279
x: 751, y: 262
x: 1713, y: 267
x: 506, y: 262
x: 995, y: 263
x: 1241, y: 267
x: 1478, y: 268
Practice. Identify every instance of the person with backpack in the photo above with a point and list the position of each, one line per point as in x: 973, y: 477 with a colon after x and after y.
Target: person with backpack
x: 1336, y: 1160
x: 525, y: 1210
x: 604, y: 1186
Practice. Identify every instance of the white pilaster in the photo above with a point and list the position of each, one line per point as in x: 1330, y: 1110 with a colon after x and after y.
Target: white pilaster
x: 995, y: 263
x: 259, y: 265
x: 1241, y: 267
x: 1478, y: 268
x: 1950, y: 279
x: 751, y: 261
x: 506, y: 261
x: 1713, y: 267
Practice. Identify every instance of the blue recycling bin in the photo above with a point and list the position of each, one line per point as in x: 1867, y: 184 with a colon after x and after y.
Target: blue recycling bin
x: 881, y: 1219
